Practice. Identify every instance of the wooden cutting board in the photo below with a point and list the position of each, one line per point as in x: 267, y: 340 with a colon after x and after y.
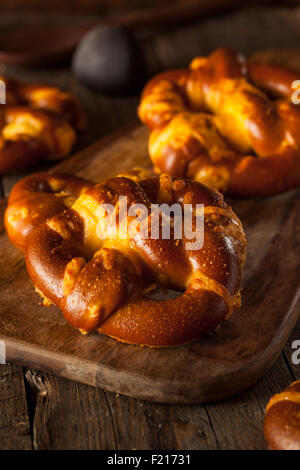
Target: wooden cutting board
x: 227, y: 362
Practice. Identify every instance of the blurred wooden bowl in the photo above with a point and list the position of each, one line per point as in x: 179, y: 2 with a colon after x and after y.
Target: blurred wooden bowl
x: 46, y: 45
x: 39, y: 45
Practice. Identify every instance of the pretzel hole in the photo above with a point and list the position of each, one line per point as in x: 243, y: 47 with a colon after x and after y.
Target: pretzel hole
x: 161, y: 293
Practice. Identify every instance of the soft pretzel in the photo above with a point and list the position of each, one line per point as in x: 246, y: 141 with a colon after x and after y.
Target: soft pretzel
x: 101, y: 281
x: 36, y: 198
x: 227, y: 123
x: 282, y: 421
x: 41, y: 96
x: 38, y: 122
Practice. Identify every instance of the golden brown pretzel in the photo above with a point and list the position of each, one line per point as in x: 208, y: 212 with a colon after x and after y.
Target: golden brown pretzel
x: 36, y: 198
x: 38, y: 122
x: 282, y: 421
x: 41, y: 96
x: 219, y: 122
x: 100, y: 281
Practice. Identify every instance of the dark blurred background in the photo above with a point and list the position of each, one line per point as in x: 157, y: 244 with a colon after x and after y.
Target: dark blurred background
x: 169, y: 32
x: 87, y: 6
x: 236, y: 23
x: 103, y: 6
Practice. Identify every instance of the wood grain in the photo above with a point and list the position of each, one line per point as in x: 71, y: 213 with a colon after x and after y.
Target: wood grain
x: 15, y: 429
x: 229, y: 361
x: 70, y: 415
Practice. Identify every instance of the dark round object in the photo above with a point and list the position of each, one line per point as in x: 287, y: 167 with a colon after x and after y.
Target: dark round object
x: 108, y: 60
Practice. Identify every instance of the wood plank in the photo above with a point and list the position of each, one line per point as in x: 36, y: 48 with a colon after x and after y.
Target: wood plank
x: 70, y: 415
x: 144, y: 425
x: 15, y: 430
x: 226, y: 363
x: 239, y: 421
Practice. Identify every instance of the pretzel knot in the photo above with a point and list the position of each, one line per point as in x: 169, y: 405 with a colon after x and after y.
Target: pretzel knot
x: 226, y: 122
x: 37, y: 122
x: 102, y: 282
x: 282, y: 421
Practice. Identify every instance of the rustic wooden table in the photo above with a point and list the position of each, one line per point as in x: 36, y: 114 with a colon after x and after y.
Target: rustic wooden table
x: 42, y: 411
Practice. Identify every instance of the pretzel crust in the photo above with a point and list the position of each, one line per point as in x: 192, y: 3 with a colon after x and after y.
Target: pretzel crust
x: 227, y: 123
x: 102, y: 283
x: 38, y: 122
x: 282, y: 421
x: 36, y: 198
